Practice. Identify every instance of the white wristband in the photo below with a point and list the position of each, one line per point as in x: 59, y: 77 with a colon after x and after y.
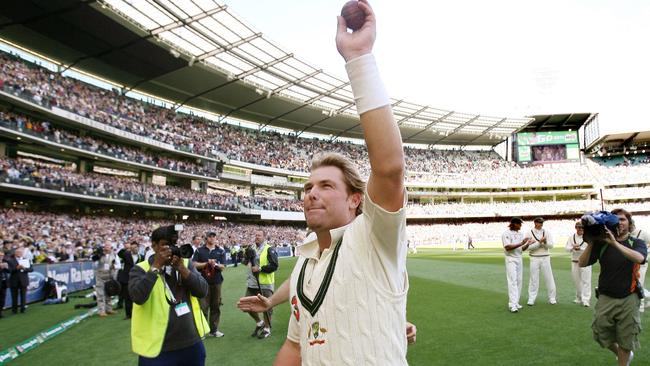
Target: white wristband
x: 368, y: 89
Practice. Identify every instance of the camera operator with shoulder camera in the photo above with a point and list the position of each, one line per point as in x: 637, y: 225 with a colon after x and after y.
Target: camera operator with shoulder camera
x: 104, y: 272
x: 617, y: 321
x: 167, y: 324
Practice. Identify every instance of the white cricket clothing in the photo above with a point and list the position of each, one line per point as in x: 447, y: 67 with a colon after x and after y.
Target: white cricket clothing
x: 540, y: 260
x: 537, y: 248
x: 514, y: 266
x: 362, y: 316
x: 510, y: 237
x: 581, y: 275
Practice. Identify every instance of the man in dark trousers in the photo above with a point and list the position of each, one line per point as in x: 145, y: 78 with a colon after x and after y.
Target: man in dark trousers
x: 210, y: 260
x: 4, y: 280
x: 19, y: 266
x: 130, y: 257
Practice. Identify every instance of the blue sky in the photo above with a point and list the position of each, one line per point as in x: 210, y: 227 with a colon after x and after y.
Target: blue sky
x: 498, y: 57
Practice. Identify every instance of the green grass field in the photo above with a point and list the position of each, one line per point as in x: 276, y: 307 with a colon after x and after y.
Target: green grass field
x: 457, y: 300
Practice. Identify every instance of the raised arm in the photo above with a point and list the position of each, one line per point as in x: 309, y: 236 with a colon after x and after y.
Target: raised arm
x: 383, y: 139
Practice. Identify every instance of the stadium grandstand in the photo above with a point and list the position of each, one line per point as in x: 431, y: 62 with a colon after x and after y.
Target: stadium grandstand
x: 120, y: 116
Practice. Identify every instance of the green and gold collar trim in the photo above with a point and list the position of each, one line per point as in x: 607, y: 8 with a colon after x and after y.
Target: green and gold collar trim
x: 310, y: 305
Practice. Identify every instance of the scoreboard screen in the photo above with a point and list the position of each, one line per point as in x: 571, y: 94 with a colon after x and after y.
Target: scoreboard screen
x: 552, y: 146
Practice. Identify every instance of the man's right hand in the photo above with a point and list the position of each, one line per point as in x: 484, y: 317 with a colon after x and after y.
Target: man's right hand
x: 162, y: 257
x: 254, y: 304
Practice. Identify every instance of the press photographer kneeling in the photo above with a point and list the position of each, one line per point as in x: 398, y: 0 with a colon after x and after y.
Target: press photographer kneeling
x: 168, y: 325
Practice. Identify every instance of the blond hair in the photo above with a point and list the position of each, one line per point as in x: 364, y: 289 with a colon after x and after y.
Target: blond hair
x: 351, y: 175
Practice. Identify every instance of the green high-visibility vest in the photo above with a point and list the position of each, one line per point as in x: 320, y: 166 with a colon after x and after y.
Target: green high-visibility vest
x: 149, y: 320
x: 266, y: 278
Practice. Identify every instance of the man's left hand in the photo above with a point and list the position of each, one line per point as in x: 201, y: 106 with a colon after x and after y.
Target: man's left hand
x: 411, y: 331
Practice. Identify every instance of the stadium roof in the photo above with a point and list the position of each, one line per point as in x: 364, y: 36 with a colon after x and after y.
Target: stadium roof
x: 622, y: 139
x: 196, y: 53
x: 558, y: 122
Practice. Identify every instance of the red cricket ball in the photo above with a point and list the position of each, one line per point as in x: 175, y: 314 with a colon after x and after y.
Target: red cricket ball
x: 353, y: 15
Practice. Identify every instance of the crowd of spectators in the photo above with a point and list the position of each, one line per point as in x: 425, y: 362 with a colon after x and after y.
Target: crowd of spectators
x: 51, y: 237
x: 628, y: 192
x: 503, y: 208
x: 637, y: 173
x: 44, y: 130
x: 287, y: 151
x: 54, y: 177
x: 209, y: 138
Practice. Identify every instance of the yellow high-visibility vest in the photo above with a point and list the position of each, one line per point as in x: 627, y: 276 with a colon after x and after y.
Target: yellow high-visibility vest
x: 149, y: 320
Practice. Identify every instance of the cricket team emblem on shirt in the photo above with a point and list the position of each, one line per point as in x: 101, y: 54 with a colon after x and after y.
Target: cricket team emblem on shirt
x: 294, y: 307
x: 316, y: 334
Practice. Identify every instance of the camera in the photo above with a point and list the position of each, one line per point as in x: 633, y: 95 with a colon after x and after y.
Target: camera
x: 594, y: 224
x: 184, y: 251
x: 250, y: 255
x: 170, y: 234
x: 97, y: 253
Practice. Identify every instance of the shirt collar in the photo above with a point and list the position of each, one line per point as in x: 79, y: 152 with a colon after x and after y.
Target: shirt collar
x: 310, y: 248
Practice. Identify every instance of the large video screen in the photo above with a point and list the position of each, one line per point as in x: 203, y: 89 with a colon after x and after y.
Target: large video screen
x: 542, y: 147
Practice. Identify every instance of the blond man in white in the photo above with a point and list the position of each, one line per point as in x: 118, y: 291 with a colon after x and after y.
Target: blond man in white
x: 348, y: 288
x: 581, y: 275
x: 540, y: 261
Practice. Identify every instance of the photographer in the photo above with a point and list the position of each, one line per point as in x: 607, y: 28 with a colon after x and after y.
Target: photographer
x: 104, y: 270
x: 617, y: 321
x: 210, y: 259
x: 167, y: 324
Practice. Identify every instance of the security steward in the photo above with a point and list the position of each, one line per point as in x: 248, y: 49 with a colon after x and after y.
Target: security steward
x: 167, y: 325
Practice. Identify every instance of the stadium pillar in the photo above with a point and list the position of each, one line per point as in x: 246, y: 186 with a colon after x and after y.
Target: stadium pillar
x: 199, y: 185
x: 84, y: 166
x: 252, y: 191
x: 145, y: 177
x: 8, y: 150
x: 521, y: 199
x: 299, y: 195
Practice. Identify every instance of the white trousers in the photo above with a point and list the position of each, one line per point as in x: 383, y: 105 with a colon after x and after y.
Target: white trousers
x: 515, y: 277
x: 543, y: 264
x: 582, y: 281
